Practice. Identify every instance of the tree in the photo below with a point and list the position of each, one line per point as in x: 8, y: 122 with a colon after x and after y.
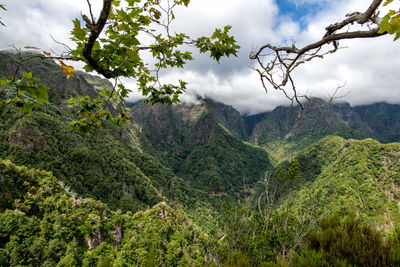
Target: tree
x: 115, y: 45
x: 280, y: 218
x: 275, y: 64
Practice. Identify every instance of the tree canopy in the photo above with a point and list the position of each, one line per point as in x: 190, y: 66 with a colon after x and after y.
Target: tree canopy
x: 135, y: 39
x: 118, y: 43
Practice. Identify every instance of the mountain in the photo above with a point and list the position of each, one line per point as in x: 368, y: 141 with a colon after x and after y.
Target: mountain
x: 219, y: 161
x: 107, y: 165
x: 283, y: 136
x: 383, y: 119
x: 175, y: 154
x: 344, y: 176
x: 135, y: 195
x: 51, y: 75
x: 200, y: 144
x: 229, y: 117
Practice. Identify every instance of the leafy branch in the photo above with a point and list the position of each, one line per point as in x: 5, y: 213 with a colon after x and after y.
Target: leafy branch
x: 117, y: 44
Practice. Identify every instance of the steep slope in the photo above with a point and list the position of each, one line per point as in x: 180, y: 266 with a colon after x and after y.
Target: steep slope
x: 383, y: 119
x: 164, y: 129
x: 107, y: 165
x: 118, y: 166
x: 252, y: 120
x: 220, y: 162
x: 229, y: 117
x: 99, y: 165
x: 279, y: 132
x: 51, y: 75
x: 197, y: 143
x: 351, y: 175
x: 43, y: 224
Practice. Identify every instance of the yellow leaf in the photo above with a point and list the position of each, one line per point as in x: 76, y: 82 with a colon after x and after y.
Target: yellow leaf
x: 32, y: 47
x: 68, y: 70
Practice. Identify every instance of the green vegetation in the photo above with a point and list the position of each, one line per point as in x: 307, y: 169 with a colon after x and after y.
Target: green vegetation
x: 352, y: 176
x: 43, y: 224
x: 95, y: 166
x: 119, y: 167
x: 200, y: 149
x: 283, y: 137
x: 227, y: 205
x: 225, y: 164
x: 348, y: 242
x: 383, y: 119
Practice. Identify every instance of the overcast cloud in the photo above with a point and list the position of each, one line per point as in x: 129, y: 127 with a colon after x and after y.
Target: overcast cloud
x: 369, y: 68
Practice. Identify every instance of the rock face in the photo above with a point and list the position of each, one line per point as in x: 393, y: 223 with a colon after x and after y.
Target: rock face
x: 178, y: 123
x: 229, y: 117
x: 201, y: 144
x: 383, y: 119
x: 204, y: 131
x: 318, y: 121
x: 180, y: 128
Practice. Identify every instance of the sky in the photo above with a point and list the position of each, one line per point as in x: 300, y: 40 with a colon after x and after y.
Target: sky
x: 368, y: 69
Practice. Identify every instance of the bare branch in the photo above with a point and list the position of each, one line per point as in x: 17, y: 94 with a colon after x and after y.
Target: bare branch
x: 90, y: 11
x: 275, y: 64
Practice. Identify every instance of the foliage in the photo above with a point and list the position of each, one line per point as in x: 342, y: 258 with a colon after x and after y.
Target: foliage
x: 26, y: 92
x: 348, y: 242
x: 225, y: 164
x: 391, y: 22
x: 383, y: 119
x: 245, y: 237
x: 350, y: 175
x: 121, y: 51
x: 43, y: 224
x: 99, y: 165
x: 258, y: 235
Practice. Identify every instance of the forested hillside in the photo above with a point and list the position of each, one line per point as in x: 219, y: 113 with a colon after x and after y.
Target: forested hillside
x: 194, y: 184
x: 282, y: 135
x: 383, y: 119
x: 345, y: 176
x: 199, y: 142
x: 45, y: 224
x: 133, y: 167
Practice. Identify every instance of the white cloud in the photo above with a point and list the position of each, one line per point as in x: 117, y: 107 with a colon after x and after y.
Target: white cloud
x: 369, y: 67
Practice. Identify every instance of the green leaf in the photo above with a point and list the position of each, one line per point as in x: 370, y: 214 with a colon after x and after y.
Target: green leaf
x: 27, y: 75
x: 387, y: 2
x: 77, y: 31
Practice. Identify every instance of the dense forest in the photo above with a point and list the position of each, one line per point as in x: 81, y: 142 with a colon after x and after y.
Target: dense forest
x: 195, y: 184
